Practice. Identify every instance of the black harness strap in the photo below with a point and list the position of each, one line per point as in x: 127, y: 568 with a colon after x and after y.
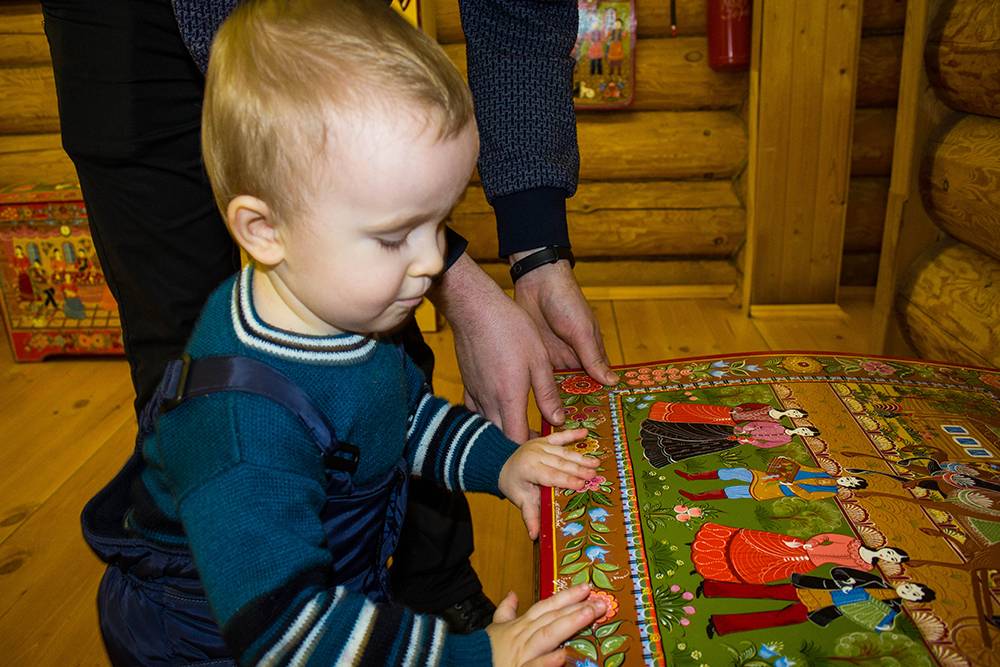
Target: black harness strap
x: 187, y: 378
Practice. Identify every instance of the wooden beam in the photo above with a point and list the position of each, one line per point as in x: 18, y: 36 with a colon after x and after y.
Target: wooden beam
x: 803, y: 93
x: 878, y: 70
x: 963, y: 56
x: 908, y: 230
x: 34, y: 159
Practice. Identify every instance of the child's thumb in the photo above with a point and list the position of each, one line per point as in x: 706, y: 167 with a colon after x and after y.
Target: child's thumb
x: 507, y: 609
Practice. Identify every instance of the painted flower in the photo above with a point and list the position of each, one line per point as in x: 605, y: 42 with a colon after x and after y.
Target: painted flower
x: 594, y: 483
x: 580, y: 384
x: 680, y: 508
x: 585, y: 663
x: 683, y: 517
x: 597, y: 514
x: 696, y: 655
x: 752, y: 368
x: 595, y: 553
x: 685, y: 621
x: 720, y: 364
x: 768, y: 651
x: 587, y: 446
x: 688, y: 595
x: 802, y: 365
x: 674, y: 588
x: 879, y: 367
x: 784, y: 662
x: 610, y: 605
x: 688, y: 609
x: 572, y: 529
x: 695, y: 512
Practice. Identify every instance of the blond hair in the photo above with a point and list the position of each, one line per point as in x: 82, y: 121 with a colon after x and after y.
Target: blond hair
x: 280, y: 70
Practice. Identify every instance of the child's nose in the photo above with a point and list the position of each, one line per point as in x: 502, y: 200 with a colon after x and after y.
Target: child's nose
x: 429, y: 260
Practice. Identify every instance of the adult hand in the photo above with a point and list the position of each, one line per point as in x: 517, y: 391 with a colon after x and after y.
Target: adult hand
x: 533, y: 640
x: 500, y: 351
x: 569, y: 330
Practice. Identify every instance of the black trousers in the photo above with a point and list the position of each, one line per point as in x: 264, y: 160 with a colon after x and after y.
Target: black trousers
x: 130, y: 108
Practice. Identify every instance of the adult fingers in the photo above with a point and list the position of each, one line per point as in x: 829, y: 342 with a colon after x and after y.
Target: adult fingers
x: 514, y: 416
x: 556, y: 658
x: 589, y: 347
x: 546, y: 393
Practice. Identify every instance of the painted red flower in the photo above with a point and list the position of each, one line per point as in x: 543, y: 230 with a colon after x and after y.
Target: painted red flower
x: 610, y: 605
x: 580, y: 384
x: 879, y: 367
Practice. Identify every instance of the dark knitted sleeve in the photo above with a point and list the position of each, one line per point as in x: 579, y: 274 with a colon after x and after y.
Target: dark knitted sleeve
x: 521, y: 74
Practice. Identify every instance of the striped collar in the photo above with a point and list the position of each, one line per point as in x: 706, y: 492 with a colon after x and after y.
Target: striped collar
x: 338, y: 349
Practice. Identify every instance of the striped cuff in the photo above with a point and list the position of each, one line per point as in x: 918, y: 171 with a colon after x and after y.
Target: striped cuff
x: 471, y: 649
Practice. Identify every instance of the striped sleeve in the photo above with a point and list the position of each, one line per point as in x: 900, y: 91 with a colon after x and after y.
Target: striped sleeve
x: 455, y: 446
x: 336, y: 627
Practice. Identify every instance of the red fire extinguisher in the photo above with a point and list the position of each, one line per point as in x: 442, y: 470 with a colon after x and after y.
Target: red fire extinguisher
x: 729, y: 34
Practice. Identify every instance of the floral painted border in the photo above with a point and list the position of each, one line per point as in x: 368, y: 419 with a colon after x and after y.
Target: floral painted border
x: 584, y: 398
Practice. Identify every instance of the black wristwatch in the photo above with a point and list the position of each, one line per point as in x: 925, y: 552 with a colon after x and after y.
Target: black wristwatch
x: 548, y: 255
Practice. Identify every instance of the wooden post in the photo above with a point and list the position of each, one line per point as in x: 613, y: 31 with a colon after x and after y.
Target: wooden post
x: 908, y: 230
x: 802, y: 94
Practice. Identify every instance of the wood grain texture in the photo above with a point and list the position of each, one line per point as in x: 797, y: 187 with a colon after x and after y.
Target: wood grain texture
x: 871, y: 147
x: 808, y: 60
x: 878, y: 70
x: 22, y: 35
x: 661, y: 145
x: 866, y: 200
x: 653, y: 18
x: 963, y: 56
x: 34, y: 159
x: 30, y: 104
x: 960, y: 181
x: 950, y: 305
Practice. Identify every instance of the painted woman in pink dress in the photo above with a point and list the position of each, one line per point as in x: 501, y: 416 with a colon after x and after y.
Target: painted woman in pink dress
x: 676, y: 431
x: 744, y: 555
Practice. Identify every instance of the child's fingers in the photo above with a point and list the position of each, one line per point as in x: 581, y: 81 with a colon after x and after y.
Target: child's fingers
x: 507, y: 609
x: 555, y: 659
x: 560, y: 600
x: 565, y: 437
x: 559, y: 477
x: 580, y: 470
x: 552, y: 629
x: 569, y: 455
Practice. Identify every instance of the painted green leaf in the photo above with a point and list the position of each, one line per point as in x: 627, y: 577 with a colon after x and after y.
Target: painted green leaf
x: 579, y: 500
x: 601, y: 581
x: 607, y: 567
x: 570, y: 557
x: 597, y: 539
x: 591, y: 399
x: 580, y: 577
x: 575, y: 567
x: 615, y: 660
x: 612, y: 644
x: 574, y: 543
x: 607, y: 629
x: 575, y: 514
x: 583, y: 646
x: 600, y: 527
x: 600, y: 498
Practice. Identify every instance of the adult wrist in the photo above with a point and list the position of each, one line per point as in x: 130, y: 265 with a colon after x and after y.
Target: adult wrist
x: 524, y: 263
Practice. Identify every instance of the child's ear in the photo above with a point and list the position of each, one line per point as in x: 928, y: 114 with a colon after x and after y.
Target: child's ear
x: 252, y: 224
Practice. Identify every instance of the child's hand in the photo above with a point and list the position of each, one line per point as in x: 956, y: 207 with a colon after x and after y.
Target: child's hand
x: 533, y: 640
x: 544, y: 462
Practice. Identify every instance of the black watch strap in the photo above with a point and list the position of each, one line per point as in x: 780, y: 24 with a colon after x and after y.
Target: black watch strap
x: 539, y: 258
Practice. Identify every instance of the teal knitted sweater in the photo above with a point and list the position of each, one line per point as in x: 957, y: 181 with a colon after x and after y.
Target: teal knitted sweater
x: 245, y: 483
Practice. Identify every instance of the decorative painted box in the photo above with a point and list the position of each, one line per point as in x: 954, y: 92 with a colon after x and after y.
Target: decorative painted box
x: 52, y: 289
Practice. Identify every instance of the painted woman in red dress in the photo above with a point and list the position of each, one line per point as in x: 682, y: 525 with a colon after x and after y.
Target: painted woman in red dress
x: 744, y: 555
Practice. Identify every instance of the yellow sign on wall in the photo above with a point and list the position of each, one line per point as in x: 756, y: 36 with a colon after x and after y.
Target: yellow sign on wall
x: 419, y: 13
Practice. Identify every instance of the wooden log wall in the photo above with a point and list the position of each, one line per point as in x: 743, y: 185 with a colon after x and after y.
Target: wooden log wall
x: 684, y: 136
x: 655, y: 180
x: 950, y: 304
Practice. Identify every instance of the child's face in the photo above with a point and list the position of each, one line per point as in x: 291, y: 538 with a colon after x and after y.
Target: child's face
x: 364, y: 255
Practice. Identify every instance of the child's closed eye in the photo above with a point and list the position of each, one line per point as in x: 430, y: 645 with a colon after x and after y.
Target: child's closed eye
x: 391, y: 244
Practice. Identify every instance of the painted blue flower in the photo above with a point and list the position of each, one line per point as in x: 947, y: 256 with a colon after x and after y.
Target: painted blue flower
x: 598, y: 514
x: 572, y: 528
x: 595, y: 553
x: 630, y: 399
x: 753, y: 368
x: 784, y: 662
x: 720, y: 364
x: 648, y: 397
x: 767, y: 652
x: 642, y: 406
x: 586, y: 663
x: 717, y: 374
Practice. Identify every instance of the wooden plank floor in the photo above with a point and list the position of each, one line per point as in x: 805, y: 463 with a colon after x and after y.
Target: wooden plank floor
x: 67, y: 425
